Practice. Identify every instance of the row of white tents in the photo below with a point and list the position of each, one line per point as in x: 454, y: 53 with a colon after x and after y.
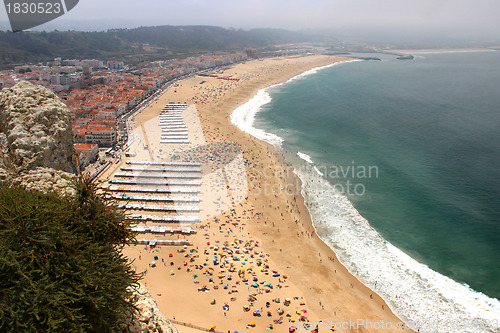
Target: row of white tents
x: 150, y: 179
x: 156, y: 169
x: 155, y: 182
x: 181, y: 219
x: 171, y: 122
x: 160, y: 208
x: 141, y: 189
x: 163, y: 230
x: 157, y: 175
x: 163, y: 163
x: 159, y: 198
x: 154, y: 242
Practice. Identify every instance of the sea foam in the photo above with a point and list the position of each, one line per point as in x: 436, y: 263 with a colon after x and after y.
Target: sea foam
x: 305, y: 157
x: 309, y: 160
x: 423, y: 298
x: 243, y: 117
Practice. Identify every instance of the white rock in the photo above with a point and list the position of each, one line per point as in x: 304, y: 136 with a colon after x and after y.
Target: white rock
x: 150, y: 319
x: 36, y: 128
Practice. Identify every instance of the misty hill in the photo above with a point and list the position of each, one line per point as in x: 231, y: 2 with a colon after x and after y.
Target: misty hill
x: 207, y: 38
x: 147, y: 42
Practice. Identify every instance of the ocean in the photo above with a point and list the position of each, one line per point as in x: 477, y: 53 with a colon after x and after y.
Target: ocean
x: 400, y: 164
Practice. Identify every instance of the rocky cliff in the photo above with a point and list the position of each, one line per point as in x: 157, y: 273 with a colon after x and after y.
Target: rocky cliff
x: 36, y: 142
x: 151, y: 319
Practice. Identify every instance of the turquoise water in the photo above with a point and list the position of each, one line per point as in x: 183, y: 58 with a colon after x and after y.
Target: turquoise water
x: 430, y: 131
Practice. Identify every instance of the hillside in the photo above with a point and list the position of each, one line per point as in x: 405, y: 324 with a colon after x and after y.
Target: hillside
x: 147, y: 42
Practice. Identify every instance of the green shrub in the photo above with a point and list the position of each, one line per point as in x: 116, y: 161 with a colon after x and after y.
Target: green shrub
x: 61, y: 268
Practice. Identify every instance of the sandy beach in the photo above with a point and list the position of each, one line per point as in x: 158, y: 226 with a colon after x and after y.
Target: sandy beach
x: 255, y: 262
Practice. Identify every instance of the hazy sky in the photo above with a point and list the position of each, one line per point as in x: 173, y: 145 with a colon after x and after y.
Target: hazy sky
x: 480, y: 17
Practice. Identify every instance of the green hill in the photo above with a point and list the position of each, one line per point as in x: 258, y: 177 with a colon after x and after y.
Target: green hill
x: 148, y: 42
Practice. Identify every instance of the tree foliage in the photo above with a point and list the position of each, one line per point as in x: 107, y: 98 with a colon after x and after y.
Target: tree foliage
x: 60, y: 265
x: 208, y: 38
x: 122, y: 43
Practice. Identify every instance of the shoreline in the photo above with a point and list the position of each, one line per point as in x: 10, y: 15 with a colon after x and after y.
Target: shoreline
x: 322, y: 244
x: 481, y: 298
x: 275, y: 146
x: 330, y: 291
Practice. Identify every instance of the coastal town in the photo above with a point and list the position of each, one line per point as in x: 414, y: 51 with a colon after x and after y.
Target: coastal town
x: 191, y: 183
x: 250, y: 166
x: 101, y: 94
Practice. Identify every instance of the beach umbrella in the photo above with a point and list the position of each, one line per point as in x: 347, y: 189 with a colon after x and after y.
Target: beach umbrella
x: 252, y: 324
